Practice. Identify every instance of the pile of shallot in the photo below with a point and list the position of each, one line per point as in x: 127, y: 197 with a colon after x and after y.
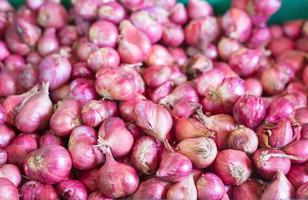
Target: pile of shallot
x: 152, y: 99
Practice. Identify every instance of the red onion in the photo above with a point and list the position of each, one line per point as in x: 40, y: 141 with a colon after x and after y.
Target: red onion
x: 236, y: 24
x: 278, y: 136
x: 25, y: 13
x: 55, y: 69
x: 177, y: 76
x: 66, y: 117
x: 35, y: 112
x: 173, y: 35
x: 260, y: 37
x: 49, y: 138
x: 305, y: 76
x: 21, y: 146
x: 209, y: 80
x: 134, y: 45
x: 253, y: 86
x: 98, y: 196
x: 178, y: 54
x: 174, y: 167
x: 276, y: 31
x: 280, y: 45
x: 158, y: 56
x: 251, y: 189
x: 198, y: 9
x: 117, y: 179
x: 68, y: 35
x: 160, y: 92
x: 280, y: 188
x: 135, y: 130
x: 82, y: 70
x: 226, y: 47
x: 3, y: 157
x: 33, y: 190
x: 127, y: 108
x: 29, y: 33
x: 201, y: 151
x: 304, y: 131
x: 197, y: 64
x: 14, y: 42
x: 11, y: 172
x: 8, y: 85
x: 263, y: 10
x: 147, y: 24
x: 184, y: 189
x: 154, y: 120
x: 34, y: 5
x: 292, y: 29
x: 28, y: 78
x: 298, y: 175
x: 114, y: 135
x: 233, y: 166
x: 302, y: 192
x: 81, y: 148
x: 103, y: 57
x: 112, y: 11
x: 72, y: 189
x: 14, y: 64
x: 243, y: 139
x: 87, y: 9
x: 115, y: 83
x: 48, y: 43
x: 296, y: 149
x: 2, y: 115
x: 279, y: 109
x: 301, y: 115
x: 6, y: 135
x: 144, y: 155
x: 245, y: 61
x: 201, y: 31
x: 52, y: 15
x: 8, y: 190
x: 155, y: 76
x: 186, y: 128
x: 103, y: 33
x: 84, y: 48
x: 159, y: 13
x: 249, y: 110
x: 49, y: 164
x: 210, y: 186
x: 152, y: 188
x: 269, y: 161
x: 292, y: 57
x: 179, y: 14
x: 4, y: 52
x: 94, y: 112
x: 61, y: 93
x: 83, y: 90
x: 88, y: 178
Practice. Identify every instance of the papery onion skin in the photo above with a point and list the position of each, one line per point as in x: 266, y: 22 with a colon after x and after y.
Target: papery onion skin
x: 280, y: 188
x: 117, y: 179
x: 144, y: 154
x: 52, y: 15
x: 152, y: 188
x: 33, y: 190
x: 103, y: 57
x: 8, y: 190
x: 233, y: 166
x: 298, y: 175
x: 49, y: 164
x: 83, y: 90
x: 113, y: 134
x: 94, y: 113
x: 278, y: 110
x: 201, y: 151
x: 185, y: 189
x: 174, y: 167
x: 65, y: 118
x: 243, y: 139
x: 269, y: 161
x: 210, y: 186
x: 302, y: 191
x: 72, y: 189
x: 11, y: 172
x: 81, y: 148
x: 112, y: 11
x: 103, y: 33
x: 251, y: 189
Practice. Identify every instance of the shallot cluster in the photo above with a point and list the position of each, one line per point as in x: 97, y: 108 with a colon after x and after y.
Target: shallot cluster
x: 152, y: 99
